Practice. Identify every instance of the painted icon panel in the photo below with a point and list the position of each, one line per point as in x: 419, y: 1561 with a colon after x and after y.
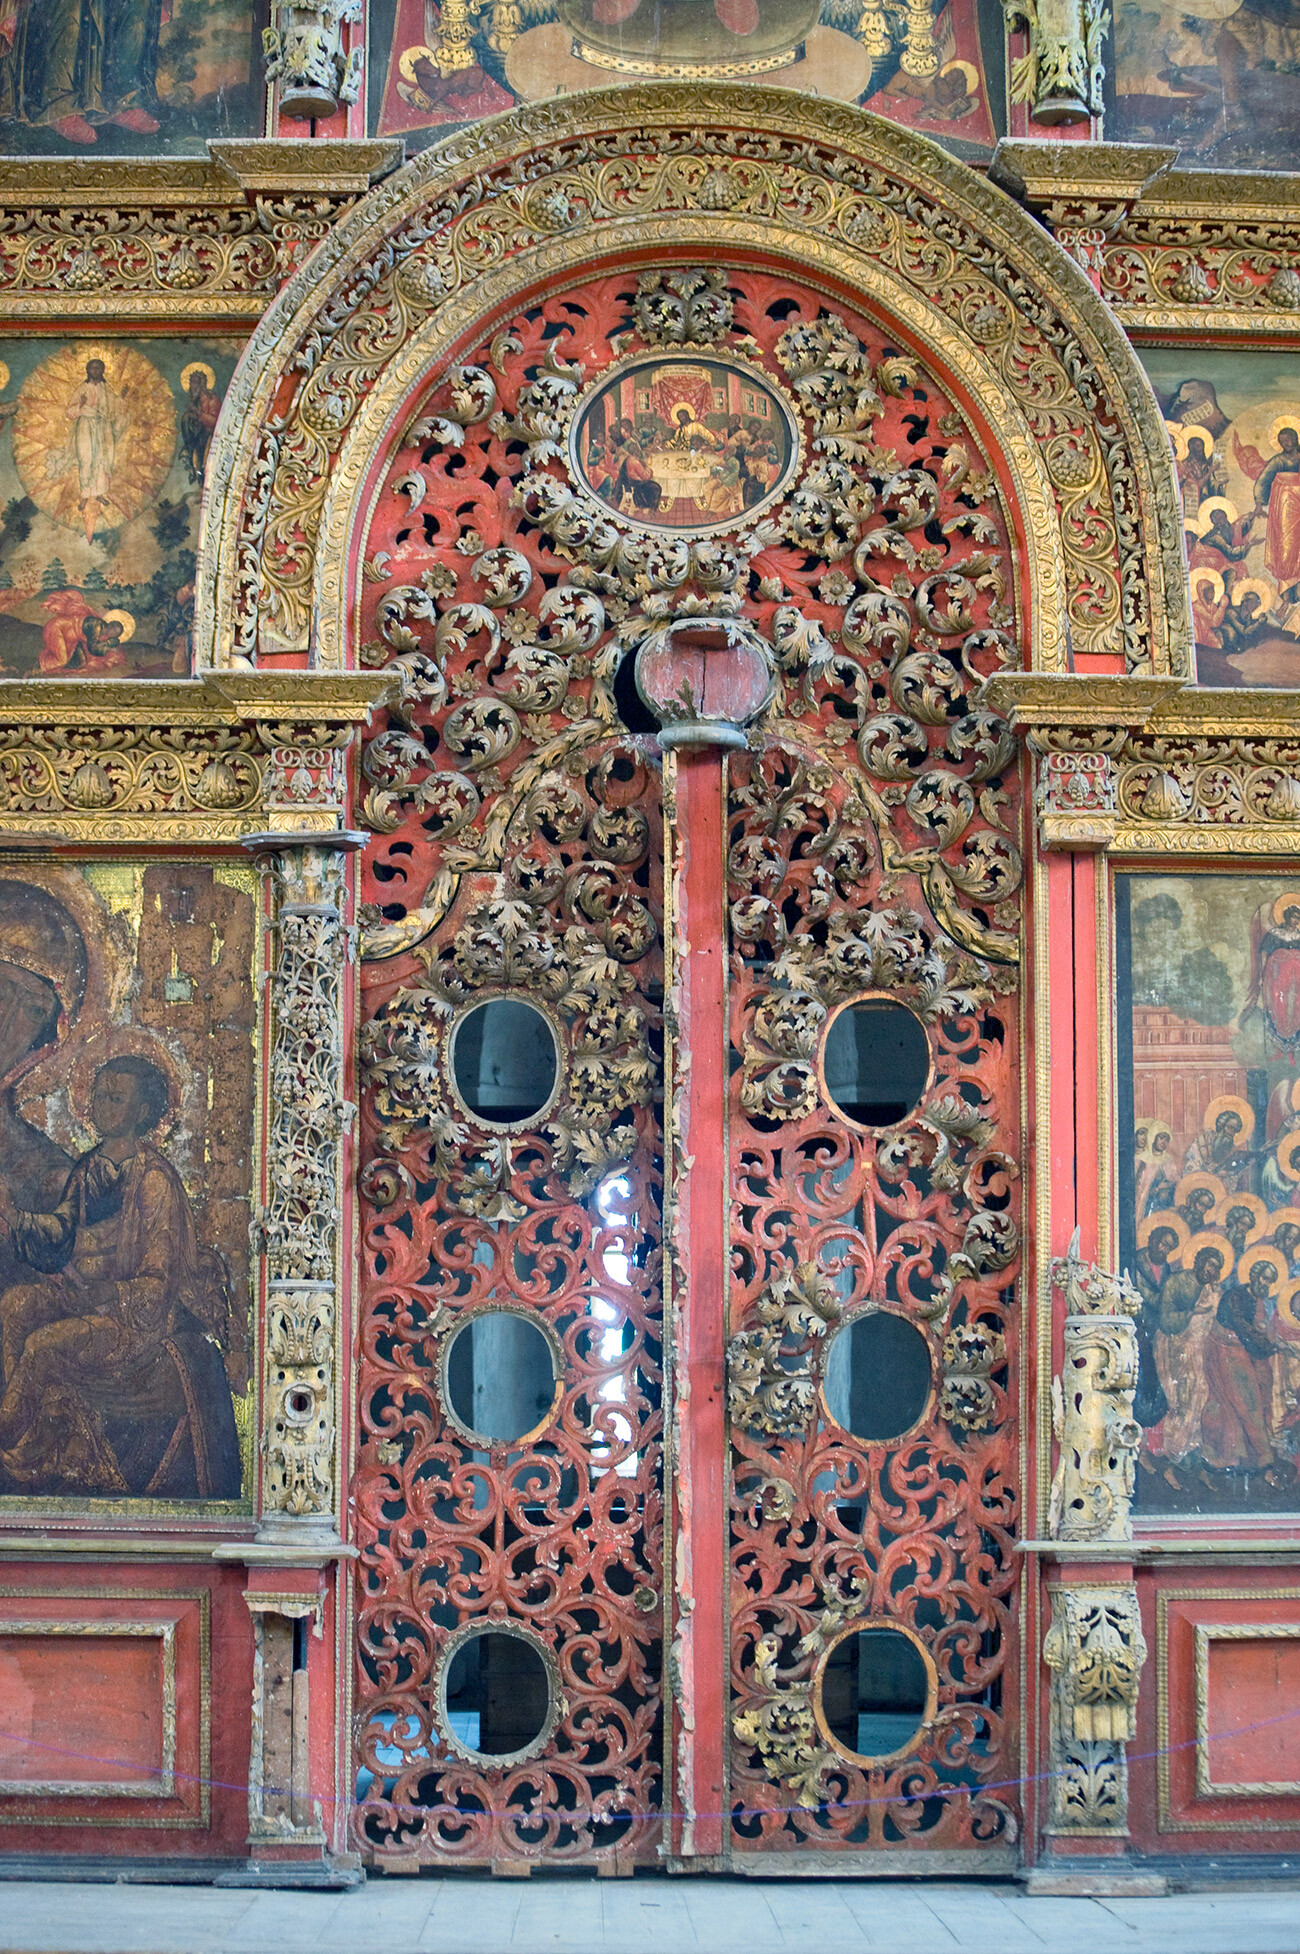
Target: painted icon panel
x: 690, y: 445
x: 128, y: 77
x: 1220, y: 78
x: 127, y: 1065
x: 102, y: 449
x: 1234, y: 421
x: 1208, y: 973
x: 937, y: 68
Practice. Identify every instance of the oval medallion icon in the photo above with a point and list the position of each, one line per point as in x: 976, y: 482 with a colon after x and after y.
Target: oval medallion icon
x: 691, y: 444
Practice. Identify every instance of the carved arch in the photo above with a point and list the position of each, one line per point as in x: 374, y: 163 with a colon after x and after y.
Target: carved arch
x: 728, y: 173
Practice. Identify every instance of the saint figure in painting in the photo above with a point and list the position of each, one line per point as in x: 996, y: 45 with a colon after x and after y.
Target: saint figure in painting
x: 1239, y: 1353
x: 69, y: 64
x: 111, y: 1382
x: 1277, y: 501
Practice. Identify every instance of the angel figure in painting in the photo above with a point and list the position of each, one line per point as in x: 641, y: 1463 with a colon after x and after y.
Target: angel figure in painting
x: 1277, y: 501
x: 111, y: 1382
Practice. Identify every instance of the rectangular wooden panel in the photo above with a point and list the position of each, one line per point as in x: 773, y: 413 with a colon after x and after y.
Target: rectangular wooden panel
x: 89, y: 1707
x: 1248, y: 1689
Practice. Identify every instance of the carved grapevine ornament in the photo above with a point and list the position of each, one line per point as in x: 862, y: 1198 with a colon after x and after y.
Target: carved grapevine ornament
x: 514, y: 795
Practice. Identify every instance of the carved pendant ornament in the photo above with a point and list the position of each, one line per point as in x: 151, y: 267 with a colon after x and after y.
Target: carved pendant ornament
x: 618, y: 472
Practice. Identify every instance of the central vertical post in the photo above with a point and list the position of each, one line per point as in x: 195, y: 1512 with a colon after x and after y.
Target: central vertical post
x: 695, y: 780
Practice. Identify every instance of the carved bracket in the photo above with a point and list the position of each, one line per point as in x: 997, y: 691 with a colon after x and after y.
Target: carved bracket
x: 1095, y: 1651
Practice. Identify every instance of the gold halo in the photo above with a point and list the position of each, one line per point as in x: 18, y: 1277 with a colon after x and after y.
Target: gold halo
x: 1212, y: 577
x: 1286, y: 1156
x: 1210, y: 1238
x: 198, y: 366
x: 968, y: 69
x: 126, y: 1041
x: 1208, y: 507
x: 1280, y: 1216
x: 1291, y: 420
x: 1165, y: 1218
x: 1180, y: 433
x: 1285, y: 1300
x: 408, y: 58
x: 1266, y: 592
x: 1220, y: 1212
x: 682, y: 403
x: 125, y: 619
x: 4, y: 376
x: 1230, y: 1102
x: 1278, y: 912
x: 1262, y: 1253
x: 1190, y: 1182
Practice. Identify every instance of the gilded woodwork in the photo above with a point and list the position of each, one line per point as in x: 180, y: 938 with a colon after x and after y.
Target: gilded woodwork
x: 1157, y: 768
x: 297, y: 1228
x: 944, y: 254
x: 1092, y: 1404
x: 196, y: 241
x: 1095, y: 1650
x: 1061, y: 72
x: 305, y: 54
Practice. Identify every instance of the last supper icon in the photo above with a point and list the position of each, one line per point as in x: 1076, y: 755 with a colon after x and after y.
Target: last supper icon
x: 686, y: 444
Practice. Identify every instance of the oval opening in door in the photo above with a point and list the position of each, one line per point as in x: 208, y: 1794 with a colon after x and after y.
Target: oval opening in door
x: 876, y: 1383
x: 499, y: 1375
x: 875, y: 1061
x: 504, y: 1061
x: 496, y: 1694
x: 875, y: 1693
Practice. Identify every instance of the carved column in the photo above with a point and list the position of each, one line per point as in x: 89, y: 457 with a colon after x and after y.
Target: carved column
x: 305, y: 54
x: 298, y: 1227
x: 1060, y: 74
x: 1094, y: 1647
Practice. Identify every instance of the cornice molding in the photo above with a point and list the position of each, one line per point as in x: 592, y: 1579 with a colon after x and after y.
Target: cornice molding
x: 1158, y: 767
x: 206, y: 760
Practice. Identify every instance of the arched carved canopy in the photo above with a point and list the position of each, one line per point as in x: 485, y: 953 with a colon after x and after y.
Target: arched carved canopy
x: 456, y: 242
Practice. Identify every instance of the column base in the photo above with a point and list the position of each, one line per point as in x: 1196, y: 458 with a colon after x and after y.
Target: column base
x: 1094, y: 1879
x: 323, y: 1874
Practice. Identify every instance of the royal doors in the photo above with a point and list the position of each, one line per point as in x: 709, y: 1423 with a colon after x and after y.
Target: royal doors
x: 691, y: 1121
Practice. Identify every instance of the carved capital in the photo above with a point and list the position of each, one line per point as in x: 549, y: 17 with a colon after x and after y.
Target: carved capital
x: 1095, y: 1651
x: 305, y: 54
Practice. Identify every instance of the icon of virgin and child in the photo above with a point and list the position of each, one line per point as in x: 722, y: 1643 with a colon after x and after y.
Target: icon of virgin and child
x: 113, y: 1316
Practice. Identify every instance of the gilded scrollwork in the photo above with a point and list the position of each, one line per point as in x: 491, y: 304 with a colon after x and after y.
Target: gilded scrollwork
x: 973, y: 270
